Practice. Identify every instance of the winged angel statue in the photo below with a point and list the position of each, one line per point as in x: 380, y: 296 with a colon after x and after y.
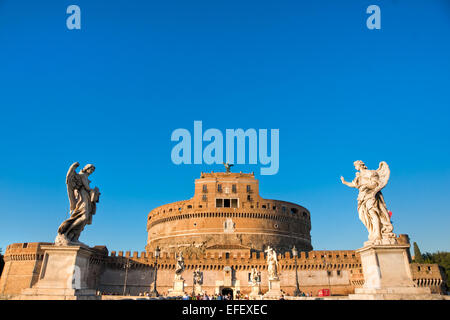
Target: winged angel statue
x: 371, y: 206
x: 83, y: 202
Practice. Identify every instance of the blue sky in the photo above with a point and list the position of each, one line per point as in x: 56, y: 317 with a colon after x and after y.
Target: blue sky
x: 112, y: 93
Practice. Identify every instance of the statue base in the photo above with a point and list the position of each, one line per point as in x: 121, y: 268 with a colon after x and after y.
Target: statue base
x: 274, y: 292
x: 198, y: 289
x: 178, y: 288
x: 387, y: 274
x: 64, y: 275
x: 256, y: 292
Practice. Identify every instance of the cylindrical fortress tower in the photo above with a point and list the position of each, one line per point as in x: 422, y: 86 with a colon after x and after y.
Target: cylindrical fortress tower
x: 227, y: 212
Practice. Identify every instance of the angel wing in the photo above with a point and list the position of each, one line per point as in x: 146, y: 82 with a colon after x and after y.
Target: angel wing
x: 73, y: 183
x: 383, y: 173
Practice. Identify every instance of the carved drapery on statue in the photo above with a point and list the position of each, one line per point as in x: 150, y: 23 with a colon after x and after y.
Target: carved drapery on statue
x: 180, y: 266
x: 372, y: 208
x: 198, y: 277
x: 255, y: 277
x: 83, y: 204
x: 272, y: 264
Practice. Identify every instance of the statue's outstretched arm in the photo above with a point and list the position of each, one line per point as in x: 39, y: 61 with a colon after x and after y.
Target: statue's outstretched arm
x: 352, y: 184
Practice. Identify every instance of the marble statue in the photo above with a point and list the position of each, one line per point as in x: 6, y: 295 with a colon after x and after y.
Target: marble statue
x: 180, y: 266
x: 272, y: 264
x: 372, y: 209
x: 83, y: 203
x: 255, y: 277
x: 198, y: 277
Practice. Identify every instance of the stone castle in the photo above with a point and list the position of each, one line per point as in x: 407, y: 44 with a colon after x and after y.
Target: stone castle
x: 223, y: 232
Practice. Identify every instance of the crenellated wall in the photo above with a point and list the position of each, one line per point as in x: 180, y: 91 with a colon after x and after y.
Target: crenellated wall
x: 338, y: 270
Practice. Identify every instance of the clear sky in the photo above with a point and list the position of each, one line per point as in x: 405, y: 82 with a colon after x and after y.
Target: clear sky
x: 112, y: 93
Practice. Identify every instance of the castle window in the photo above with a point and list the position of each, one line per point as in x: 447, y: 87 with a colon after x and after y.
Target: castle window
x: 189, y: 207
x: 219, y: 203
x: 305, y: 214
x: 283, y: 209
x: 234, y: 203
x: 263, y: 206
x: 249, y: 188
x: 274, y: 208
x: 233, y: 188
x: 219, y: 188
x: 227, y: 255
x: 249, y: 198
x: 204, y: 198
x: 226, y: 203
x: 205, y: 188
x: 294, y: 210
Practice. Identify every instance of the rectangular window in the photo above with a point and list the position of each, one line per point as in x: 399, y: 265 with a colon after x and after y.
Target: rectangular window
x: 219, y: 203
x: 205, y: 188
x: 233, y: 188
x: 226, y: 203
x: 204, y: 198
x: 219, y: 188
x: 248, y: 188
x: 234, y: 203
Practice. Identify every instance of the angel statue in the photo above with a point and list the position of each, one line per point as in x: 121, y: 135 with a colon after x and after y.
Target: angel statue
x: 255, y: 277
x: 198, y: 277
x: 83, y: 202
x: 272, y: 264
x: 180, y: 266
x: 372, y: 209
x: 228, y: 166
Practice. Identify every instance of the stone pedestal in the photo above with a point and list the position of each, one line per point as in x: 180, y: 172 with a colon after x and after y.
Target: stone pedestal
x: 274, y: 292
x: 178, y: 288
x: 64, y: 275
x: 387, y: 274
x: 256, y: 293
x: 198, y: 289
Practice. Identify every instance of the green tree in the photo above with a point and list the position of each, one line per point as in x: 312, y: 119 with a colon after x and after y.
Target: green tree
x: 417, y: 254
x: 440, y: 258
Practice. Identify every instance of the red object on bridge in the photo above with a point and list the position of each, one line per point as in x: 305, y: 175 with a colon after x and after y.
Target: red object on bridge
x: 324, y: 293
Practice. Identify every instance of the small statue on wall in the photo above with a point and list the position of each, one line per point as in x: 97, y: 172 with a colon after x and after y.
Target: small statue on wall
x: 198, y: 277
x: 180, y: 266
x: 272, y: 264
x: 255, y: 277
